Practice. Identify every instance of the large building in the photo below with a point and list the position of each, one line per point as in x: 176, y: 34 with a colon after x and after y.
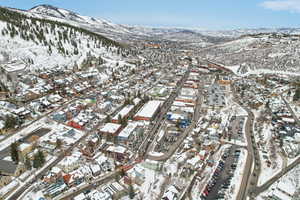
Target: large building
x: 123, y: 113
x: 110, y: 129
x: 127, y: 132
x: 148, y: 111
x: 9, y: 73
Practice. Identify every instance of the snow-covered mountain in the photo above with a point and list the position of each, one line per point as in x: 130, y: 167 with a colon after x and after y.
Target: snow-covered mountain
x: 44, y: 43
x: 101, y: 26
x: 116, y: 31
x: 124, y: 32
x: 240, y: 32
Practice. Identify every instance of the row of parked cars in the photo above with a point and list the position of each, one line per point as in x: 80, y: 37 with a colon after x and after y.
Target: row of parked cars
x: 215, y: 176
x: 225, y: 185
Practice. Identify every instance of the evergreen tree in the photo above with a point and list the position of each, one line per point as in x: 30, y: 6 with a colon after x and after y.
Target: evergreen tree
x: 28, y: 163
x: 297, y: 95
x: 36, y: 161
x: 41, y: 157
x: 10, y: 122
x: 131, y: 192
x: 58, y: 143
x: 108, y: 119
x: 14, y: 152
x: 119, y: 119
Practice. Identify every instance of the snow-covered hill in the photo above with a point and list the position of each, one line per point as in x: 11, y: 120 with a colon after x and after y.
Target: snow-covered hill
x: 115, y: 31
x: 240, y: 32
x: 46, y: 44
x: 124, y: 32
x: 270, y: 53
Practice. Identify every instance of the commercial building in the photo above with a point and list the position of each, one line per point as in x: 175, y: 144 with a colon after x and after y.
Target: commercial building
x: 148, y: 111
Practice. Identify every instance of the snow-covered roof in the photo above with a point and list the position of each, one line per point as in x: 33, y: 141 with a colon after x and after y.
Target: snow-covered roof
x: 125, y: 133
x: 24, y: 146
x: 149, y: 109
x: 110, y: 128
x: 80, y: 197
x: 116, y: 149
x: 123, y: 112
x: 7, y: 188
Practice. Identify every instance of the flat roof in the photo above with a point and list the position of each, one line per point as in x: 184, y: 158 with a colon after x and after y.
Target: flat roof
x: 110, y: 128
x: 14, y: 66
x: 128, y: 130
x: 116, y: 149
x: 123, y: 112
x: 149, y: 109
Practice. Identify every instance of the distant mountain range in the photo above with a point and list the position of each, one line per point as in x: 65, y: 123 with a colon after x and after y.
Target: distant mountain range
x: 124, y: 32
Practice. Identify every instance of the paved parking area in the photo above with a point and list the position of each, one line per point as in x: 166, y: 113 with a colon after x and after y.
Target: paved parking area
x: 223, y: 178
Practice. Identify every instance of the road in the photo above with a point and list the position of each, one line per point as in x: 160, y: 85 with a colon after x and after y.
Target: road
x: 175, y: 146
x: 146, y: 145
x: 244, y: 188
x: 266, y: 185
x: 291, y: 110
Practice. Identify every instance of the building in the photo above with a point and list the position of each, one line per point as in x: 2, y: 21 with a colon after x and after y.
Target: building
x: 148, y: 111
x: 24, y: 149
x: 117, y: 152
x: 8, y: 189
x: 127, y: 133
x: 110, y: 129
x: 172, y: 193
x: 123, y: 113
x: 11, y: 169
x: 9, y: 73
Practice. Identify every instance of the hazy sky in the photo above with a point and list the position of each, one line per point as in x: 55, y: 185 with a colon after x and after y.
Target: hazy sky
x: 206, y: 14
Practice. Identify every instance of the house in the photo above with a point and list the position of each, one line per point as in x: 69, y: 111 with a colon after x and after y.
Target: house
x: 117, y: 152
x: 70, y: 163
x: 11, y: 169
x: 73, y: 178
x: 55, y: 174
x: 95, y: 169
x: 24, y: 149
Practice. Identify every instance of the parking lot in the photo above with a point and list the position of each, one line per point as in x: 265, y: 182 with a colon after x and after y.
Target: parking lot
x: 221, y: 179
x: 236, y: 128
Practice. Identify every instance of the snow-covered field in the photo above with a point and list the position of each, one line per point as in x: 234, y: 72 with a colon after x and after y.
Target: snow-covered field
x: 275, y: 163
x: 289, y: 183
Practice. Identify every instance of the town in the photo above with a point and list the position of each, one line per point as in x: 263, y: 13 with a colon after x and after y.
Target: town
x: 158, y: 121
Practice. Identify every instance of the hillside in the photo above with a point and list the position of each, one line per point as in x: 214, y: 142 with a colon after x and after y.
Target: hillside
x: 43, y: 43
x: 258, y: 53
x: 119, y: 32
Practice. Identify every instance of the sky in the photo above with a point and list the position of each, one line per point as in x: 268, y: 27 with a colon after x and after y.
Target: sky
x: 203, y: 14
